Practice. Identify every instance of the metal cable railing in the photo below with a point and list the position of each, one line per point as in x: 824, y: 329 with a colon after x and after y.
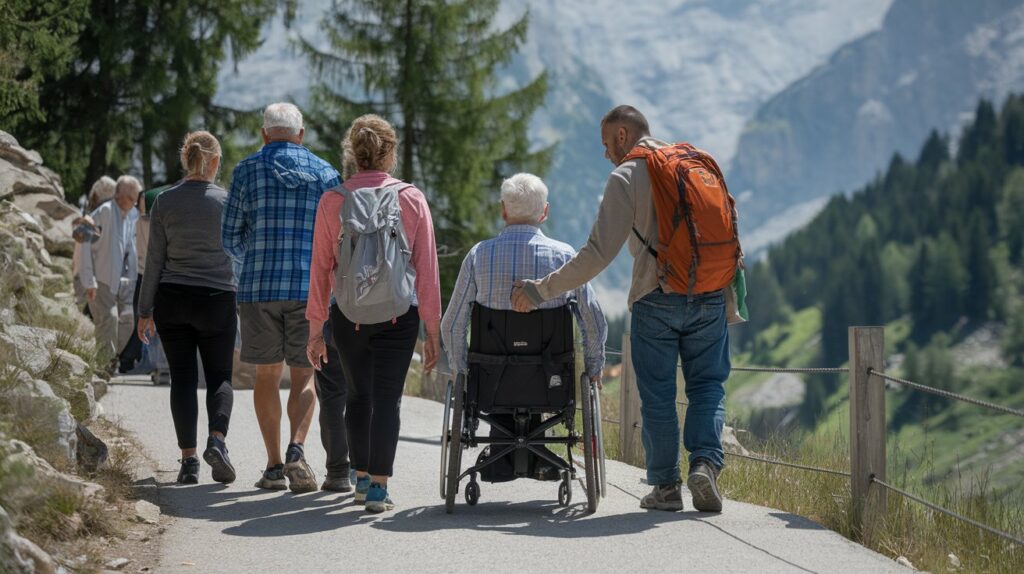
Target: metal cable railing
x: 946, y: 394
x: 790, y: 464
x: 947, y: 512
x: 806, y: 370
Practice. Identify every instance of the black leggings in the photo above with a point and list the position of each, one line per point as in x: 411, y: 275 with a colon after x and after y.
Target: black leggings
x: 375, y: 359
x: 190, y: 318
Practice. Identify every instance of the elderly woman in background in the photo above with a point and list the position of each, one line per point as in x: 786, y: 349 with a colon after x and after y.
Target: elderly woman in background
x: 374, y: 357
x: 109, y: 268
x: 188, y: 296
x: 85, y: 231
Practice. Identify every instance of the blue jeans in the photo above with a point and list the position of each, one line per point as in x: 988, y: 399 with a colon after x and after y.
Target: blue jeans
x: 667, y: 327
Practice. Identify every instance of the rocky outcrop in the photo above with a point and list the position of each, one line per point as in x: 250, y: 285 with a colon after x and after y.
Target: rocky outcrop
x: 48, y: 387
x: 37, y: 190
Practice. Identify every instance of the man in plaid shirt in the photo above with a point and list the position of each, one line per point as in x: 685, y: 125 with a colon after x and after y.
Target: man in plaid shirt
x: 520, y: 251
x: 268, y: 226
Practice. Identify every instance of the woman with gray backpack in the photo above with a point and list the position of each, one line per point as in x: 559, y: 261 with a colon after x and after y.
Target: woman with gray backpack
x: 374, y: 251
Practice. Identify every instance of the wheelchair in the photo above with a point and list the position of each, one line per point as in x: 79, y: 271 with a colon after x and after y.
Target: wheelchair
x: 521, y: 381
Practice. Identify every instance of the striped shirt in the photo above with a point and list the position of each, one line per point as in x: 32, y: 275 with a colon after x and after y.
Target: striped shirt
x: 268, y: 220
x: 487, y: 275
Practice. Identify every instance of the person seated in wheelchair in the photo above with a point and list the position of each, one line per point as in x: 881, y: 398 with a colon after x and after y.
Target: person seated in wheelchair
x: 488, y: 273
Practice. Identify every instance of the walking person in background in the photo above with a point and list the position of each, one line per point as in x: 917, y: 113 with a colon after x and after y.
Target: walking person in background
x: 268, y: 226
x: 85, y: 232
x: 332, y: 393
x: 375, y: 343
x: 109, y: 269
x: 677, y: 297
x: 151, y: 354
x: 188, y: 295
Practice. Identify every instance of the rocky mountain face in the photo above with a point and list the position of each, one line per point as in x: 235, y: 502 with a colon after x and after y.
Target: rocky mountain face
x: 697, y: 68
x: 48, y: 388
x: 833, y: 130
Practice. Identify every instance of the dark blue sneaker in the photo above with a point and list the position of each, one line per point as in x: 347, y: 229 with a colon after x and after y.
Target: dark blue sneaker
x: 216, y: 455
x: 272, y: 478
x: 377, y: 499
x: 362, y: 487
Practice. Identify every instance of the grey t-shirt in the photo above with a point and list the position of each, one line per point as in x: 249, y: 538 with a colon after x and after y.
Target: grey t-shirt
x: 184, y: 241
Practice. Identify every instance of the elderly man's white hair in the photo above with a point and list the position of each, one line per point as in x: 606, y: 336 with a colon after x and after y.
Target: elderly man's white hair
x: 283, y: 117
x: 525, y: 196
x: 128, y: 184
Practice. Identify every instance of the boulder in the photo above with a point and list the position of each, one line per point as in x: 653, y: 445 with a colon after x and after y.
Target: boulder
x: 732, y: 444
x: 21, y: 556
x: 22, y: 171
x: 92, y: 451
x: 17, y: 181
x: 147, y: 512
x: 12, y: 151
x: 19, y: 452
x: 22, y: 235
x: 54, y: 216
x: 99, y: 388
x: 47, y: 414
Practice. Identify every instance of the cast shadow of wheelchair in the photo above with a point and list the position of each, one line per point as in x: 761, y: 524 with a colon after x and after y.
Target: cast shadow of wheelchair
x: 544, y: 519
x: 253, y: 512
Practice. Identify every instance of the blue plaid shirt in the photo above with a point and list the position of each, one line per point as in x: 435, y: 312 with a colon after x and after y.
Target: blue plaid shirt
x: 486, y: 277
x: 268, y: 220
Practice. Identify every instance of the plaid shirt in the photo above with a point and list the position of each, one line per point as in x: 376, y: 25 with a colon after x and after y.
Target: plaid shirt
x: 486, y: 277
x: 268, y: 220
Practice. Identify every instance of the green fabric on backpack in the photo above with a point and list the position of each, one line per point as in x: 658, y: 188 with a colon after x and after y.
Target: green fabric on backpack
x: 736, y: 299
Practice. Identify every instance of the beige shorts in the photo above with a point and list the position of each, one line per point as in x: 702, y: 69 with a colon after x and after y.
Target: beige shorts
x: 274, y: 331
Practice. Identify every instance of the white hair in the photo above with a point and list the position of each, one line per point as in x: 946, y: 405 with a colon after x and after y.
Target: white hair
x: 525, y: 196
x: 102, y: 190
x: 128, y: 184
x: 284, y: 117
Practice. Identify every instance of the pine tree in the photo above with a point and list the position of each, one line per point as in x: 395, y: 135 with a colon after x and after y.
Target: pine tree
x: 144, y: 73
x: 980, y: 270
x: 36, y: 40
x: 429, y: 66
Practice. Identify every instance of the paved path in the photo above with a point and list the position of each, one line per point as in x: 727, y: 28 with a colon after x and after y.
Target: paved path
x: 516, y: 526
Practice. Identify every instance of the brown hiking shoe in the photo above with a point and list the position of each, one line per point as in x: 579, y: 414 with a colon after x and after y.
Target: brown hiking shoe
x: 703, y: 485
x: 664, y: 497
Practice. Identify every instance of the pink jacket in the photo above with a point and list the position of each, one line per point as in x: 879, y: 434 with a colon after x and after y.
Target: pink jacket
x: 419, y: 228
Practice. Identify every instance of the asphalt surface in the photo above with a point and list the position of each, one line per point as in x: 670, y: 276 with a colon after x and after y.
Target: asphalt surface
x: 517, y: 526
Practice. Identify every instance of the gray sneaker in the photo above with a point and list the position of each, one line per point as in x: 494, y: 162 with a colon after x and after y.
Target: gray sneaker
x: 300, y: 475
x: 337, y: 484
x: 703, y: 484
x: 664, y: 497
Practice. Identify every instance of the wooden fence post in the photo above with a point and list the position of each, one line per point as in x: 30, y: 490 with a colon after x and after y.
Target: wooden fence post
x: 867, y: 426
x: 629, y: 407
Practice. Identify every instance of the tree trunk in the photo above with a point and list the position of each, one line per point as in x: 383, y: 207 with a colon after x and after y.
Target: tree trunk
x: 405, y: 102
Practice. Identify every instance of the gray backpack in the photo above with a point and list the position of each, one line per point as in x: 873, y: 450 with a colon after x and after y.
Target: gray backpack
x: 374, y: 281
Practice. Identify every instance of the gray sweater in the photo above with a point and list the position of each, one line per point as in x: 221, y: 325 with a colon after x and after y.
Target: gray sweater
x: 184, y: 242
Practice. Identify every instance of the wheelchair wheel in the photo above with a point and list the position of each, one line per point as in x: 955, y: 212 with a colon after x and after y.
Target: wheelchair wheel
x: 599, y: 425
x: 565, y: 491
x: 590, y: 446
x: 445, y: 438
x: 472, y: 493
x: 455, y: 444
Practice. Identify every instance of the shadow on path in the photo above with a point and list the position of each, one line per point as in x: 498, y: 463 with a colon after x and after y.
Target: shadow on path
x: 535, y: 518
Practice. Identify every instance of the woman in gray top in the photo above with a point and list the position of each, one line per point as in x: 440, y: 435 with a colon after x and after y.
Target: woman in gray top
x: 188, y: 295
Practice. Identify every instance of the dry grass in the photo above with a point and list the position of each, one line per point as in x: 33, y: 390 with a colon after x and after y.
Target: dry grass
x: 908, y: 528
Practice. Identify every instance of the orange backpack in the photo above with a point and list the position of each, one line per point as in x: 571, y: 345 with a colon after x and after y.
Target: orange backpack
x: 698, y: 247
